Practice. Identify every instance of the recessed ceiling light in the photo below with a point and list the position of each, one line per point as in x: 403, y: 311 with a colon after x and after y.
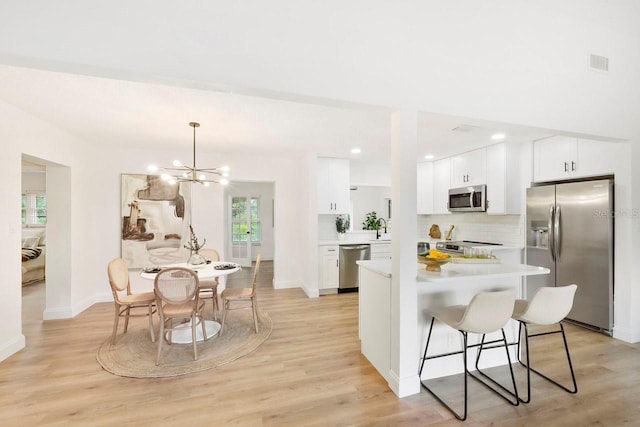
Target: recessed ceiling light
x: 356, y: 150
x: 497, y: 136
x: 429, y: 156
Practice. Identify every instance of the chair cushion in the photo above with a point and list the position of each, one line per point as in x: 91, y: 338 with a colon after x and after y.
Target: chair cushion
x: 519, y: 308
x: 208, y: 284
x: 237, y: 293
x: 184, y: 309
x: 549, y: 305
x: 143, y: 298
x: 451, y: 315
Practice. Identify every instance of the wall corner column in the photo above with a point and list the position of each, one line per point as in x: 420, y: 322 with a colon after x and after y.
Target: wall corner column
x: 404, y: 308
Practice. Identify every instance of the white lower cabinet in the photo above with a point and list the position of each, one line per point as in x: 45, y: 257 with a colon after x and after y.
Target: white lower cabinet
x: 329, y: 269
x: 381, y: 251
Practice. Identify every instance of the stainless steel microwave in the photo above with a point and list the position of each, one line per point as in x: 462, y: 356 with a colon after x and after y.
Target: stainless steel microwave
x: 468, y: 199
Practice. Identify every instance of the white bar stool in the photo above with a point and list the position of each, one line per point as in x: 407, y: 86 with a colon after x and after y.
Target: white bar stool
x: 549, y: 305
x: 487, y: 312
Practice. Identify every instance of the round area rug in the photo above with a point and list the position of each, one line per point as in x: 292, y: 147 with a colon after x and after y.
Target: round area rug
x: 134, y: 355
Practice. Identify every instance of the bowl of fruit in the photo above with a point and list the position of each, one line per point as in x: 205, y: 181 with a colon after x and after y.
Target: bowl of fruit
x: 433, y: 259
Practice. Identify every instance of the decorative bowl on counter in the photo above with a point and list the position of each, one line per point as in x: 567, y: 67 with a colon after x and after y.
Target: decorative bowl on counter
x: 433, y: 264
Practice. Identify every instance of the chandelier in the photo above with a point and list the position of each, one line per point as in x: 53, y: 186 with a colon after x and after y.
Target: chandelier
x: 182, y: 173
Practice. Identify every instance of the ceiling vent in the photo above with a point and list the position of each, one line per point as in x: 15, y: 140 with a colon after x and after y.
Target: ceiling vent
x: 464, y: 128
x: 598, y: 63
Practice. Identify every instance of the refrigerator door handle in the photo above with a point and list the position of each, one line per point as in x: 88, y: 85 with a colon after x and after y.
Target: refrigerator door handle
x: 552, y: 239
x: 558, y: 233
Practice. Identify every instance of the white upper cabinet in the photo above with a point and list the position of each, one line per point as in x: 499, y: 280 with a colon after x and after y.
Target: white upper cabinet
x: 469, y: 168
x: 333, y: 186
x: 425, y: 188
x: 504, y: 193
x: 441, y: 185
x: 555, y: 158
x: 562, y: 157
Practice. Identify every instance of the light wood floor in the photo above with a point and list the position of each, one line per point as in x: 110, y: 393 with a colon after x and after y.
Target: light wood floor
x: 308, y: 373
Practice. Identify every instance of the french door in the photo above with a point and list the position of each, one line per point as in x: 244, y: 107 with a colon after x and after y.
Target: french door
x: 240, y: 233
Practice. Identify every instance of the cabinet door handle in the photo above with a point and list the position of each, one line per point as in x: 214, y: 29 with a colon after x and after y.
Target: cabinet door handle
x: 566, y: 167
x: 337, y: 263
x: 573, y: 166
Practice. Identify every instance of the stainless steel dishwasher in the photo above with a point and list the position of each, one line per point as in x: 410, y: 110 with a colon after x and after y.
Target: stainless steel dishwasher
x: 349, y: 254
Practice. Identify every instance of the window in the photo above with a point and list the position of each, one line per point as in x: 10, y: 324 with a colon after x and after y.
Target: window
x: 34, y: 209
x: 239, y: 220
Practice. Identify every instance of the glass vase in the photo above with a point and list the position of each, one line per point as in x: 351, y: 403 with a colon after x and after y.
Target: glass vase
x: 196, y: 259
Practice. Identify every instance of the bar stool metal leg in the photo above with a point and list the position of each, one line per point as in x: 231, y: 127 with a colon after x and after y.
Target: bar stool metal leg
x: 523, y: 325
x: 464, y: 358
x: 514, y: 393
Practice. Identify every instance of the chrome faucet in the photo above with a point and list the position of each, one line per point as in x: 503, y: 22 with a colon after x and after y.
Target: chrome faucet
x: 378, y: 229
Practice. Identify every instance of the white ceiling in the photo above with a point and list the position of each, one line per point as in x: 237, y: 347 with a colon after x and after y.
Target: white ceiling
x: 149, y: 115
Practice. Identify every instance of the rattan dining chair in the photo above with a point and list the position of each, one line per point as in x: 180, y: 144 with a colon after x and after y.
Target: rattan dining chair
x: 176, y: 290
x: 125, y: 300
x: 232, y: 296
x: 209, y: 288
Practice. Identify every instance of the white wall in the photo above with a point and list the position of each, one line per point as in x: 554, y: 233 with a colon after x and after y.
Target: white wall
x: 34, y: 182
x: 368, y: 198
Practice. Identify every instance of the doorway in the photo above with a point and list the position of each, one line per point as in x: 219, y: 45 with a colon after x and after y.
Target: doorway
x: 57, y: 241
x: 33, y: 235
x: 250, y: 221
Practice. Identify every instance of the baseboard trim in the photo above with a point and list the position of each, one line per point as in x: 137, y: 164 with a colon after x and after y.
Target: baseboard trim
x: 404, y: 387
x: 11, y: 347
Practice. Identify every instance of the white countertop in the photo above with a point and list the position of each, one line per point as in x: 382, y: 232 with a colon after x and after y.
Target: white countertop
x: 380, y: 266
x: 450, y: 272
x: 353, y: 242
x: 466, y: 271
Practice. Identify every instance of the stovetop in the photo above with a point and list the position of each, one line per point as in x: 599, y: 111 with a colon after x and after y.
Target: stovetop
x: 457, y: 247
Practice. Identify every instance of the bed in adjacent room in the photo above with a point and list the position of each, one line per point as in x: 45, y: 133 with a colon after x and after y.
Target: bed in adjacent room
x: 33, y: 255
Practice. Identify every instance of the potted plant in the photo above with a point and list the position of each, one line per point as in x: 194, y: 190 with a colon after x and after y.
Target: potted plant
x: 371, y: 222
x: 342, y: 224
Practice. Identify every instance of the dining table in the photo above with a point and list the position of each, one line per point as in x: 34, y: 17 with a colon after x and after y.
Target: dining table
x: 209, y: 271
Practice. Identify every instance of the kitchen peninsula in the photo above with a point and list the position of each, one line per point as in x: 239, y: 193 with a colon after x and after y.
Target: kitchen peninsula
x: 454, y: 284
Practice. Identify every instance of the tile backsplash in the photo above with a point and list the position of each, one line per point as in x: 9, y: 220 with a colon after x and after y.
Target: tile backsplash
x: 505, y: 229
x: 327, y: 227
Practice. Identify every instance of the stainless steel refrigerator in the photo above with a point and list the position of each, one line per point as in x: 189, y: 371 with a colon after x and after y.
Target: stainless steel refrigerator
x: 570, y: 231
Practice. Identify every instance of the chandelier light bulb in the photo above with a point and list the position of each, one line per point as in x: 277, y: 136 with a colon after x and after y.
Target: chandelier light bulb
x: 183, y: 173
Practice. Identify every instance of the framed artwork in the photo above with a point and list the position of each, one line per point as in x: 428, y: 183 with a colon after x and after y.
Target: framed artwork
x: 155, y: 220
